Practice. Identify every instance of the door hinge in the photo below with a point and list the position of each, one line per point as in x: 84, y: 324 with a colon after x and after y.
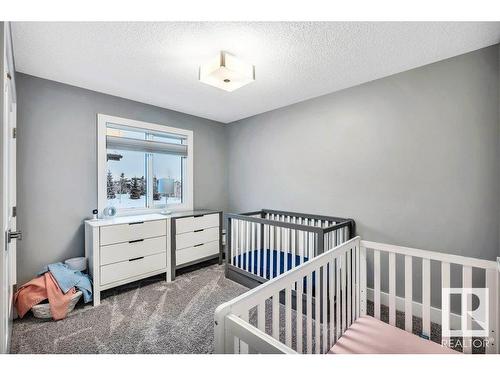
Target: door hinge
x: 14, y: 132
x: 14, y: 211
x: 16, y: 235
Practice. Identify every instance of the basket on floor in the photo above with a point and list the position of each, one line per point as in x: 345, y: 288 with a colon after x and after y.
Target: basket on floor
x: 42, y: 310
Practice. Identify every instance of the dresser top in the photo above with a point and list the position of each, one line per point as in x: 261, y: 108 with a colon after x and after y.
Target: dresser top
x: 146, y: 217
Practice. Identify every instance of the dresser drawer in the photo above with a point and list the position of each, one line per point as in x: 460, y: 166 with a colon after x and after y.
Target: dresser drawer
x: 192, y: 223
x: 133, y: 231
x: 196, y: 252
x: 133, y: 249
x: 123, y: 270
x: 191, y: 239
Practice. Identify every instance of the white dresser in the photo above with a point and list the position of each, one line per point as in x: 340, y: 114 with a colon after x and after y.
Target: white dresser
x: 129, y: 248
x: 196, y: 237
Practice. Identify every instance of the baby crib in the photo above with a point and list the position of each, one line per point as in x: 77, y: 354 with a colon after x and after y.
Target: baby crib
x: 321, y: 304
x: 264, y: 244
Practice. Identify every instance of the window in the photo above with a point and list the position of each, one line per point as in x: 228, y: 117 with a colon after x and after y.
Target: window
x: 143, y: 167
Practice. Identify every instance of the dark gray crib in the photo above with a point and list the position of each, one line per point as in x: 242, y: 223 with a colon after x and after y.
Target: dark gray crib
x: 262, y: 245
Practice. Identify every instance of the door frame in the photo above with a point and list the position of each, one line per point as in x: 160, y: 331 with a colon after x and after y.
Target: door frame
x: 8, y: 173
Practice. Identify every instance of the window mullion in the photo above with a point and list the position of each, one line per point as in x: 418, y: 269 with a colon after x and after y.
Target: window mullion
x: 149, y: 179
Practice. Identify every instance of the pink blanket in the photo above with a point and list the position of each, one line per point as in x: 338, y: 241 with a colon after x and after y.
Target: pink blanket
x: 39, y: 289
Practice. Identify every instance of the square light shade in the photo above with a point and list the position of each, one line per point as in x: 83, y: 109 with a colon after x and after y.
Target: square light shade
x: 226, y: 72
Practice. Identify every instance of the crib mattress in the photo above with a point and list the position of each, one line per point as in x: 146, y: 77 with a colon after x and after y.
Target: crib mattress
x: 281, y: 262
x: 368, y: 335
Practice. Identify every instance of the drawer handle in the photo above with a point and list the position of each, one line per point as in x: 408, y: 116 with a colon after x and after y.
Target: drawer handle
x: 201, y: 244
x: 137, y: 222
x: 199, y: 230
x: 198, y: 215
x: 131, y: 260
x: 134, y: 241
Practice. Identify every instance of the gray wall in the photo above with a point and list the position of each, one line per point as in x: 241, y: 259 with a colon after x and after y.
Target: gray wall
x: 413, y: 158
x: 57, y: 176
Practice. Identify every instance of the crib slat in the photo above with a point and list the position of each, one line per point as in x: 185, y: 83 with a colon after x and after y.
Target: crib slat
x: 376, y: 283
x: 287, y: 250
x: 343, y: 275
x: 247, y: 245
x: 242, y: 243
x: 265, y: 246
x: 279, y: 248
x: 492, y: 283
x: 288, y: 316
x: 236, y: 237
x: 304, y: 241
x: 301, y: 242
x: 317, y: 304
x: 244, y: 349
x: 358, y: 295
x: 300, y: 315
x: 337, y: 300
x: 232, y: 252
x: 408, y: 294
x: 293, y: 240
x: 331, y: 286
x: 426, y: 297
x: 392, y: 289
x: 283, y: 248
x: 257, y: 265
x: 309, y: 314
x: 324, y: 304
x: 233, y: 346
x: 466, y: 307
x: 445, y: 302
x: 252, y: 248
x: 275, y: 323
x: 362, y: 281
x: 271, y: 250
x: 349, y: 291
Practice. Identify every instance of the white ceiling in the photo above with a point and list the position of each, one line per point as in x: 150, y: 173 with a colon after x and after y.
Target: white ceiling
x: 157, y: 63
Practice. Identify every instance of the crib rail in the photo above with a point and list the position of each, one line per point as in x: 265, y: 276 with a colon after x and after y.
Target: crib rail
x: 264, y: 244
x: 304, y: 310
x: 486, y: 274
x: 307, y: 309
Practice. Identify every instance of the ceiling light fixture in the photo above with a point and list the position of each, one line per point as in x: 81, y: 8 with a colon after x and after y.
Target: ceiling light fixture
x: 226, y: 72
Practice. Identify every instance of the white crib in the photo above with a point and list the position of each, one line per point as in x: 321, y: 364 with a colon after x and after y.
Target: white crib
x: 262, y: 245
x: 309, y: 308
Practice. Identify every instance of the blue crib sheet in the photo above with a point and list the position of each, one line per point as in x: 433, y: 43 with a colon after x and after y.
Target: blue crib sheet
x: 278, y: 257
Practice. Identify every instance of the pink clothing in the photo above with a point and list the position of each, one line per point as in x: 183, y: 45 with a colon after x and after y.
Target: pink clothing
x: 368, y: 335
x: 39, y: 289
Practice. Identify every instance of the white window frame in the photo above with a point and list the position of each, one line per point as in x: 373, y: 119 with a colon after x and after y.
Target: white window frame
x: 187, y: 183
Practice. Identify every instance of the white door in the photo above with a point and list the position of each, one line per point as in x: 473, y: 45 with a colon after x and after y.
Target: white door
x: 8, y: 257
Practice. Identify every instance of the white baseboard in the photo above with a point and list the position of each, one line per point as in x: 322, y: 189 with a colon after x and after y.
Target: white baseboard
x: 455, y: 320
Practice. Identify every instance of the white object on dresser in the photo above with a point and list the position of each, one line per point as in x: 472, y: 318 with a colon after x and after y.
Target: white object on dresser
x: 125, y: 249
x: 195, y: 238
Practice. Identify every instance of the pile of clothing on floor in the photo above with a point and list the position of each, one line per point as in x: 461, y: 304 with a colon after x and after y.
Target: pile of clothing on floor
x: 57, y: 283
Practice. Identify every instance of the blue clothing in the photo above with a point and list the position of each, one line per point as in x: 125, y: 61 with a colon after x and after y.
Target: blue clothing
x: 67, y: 278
